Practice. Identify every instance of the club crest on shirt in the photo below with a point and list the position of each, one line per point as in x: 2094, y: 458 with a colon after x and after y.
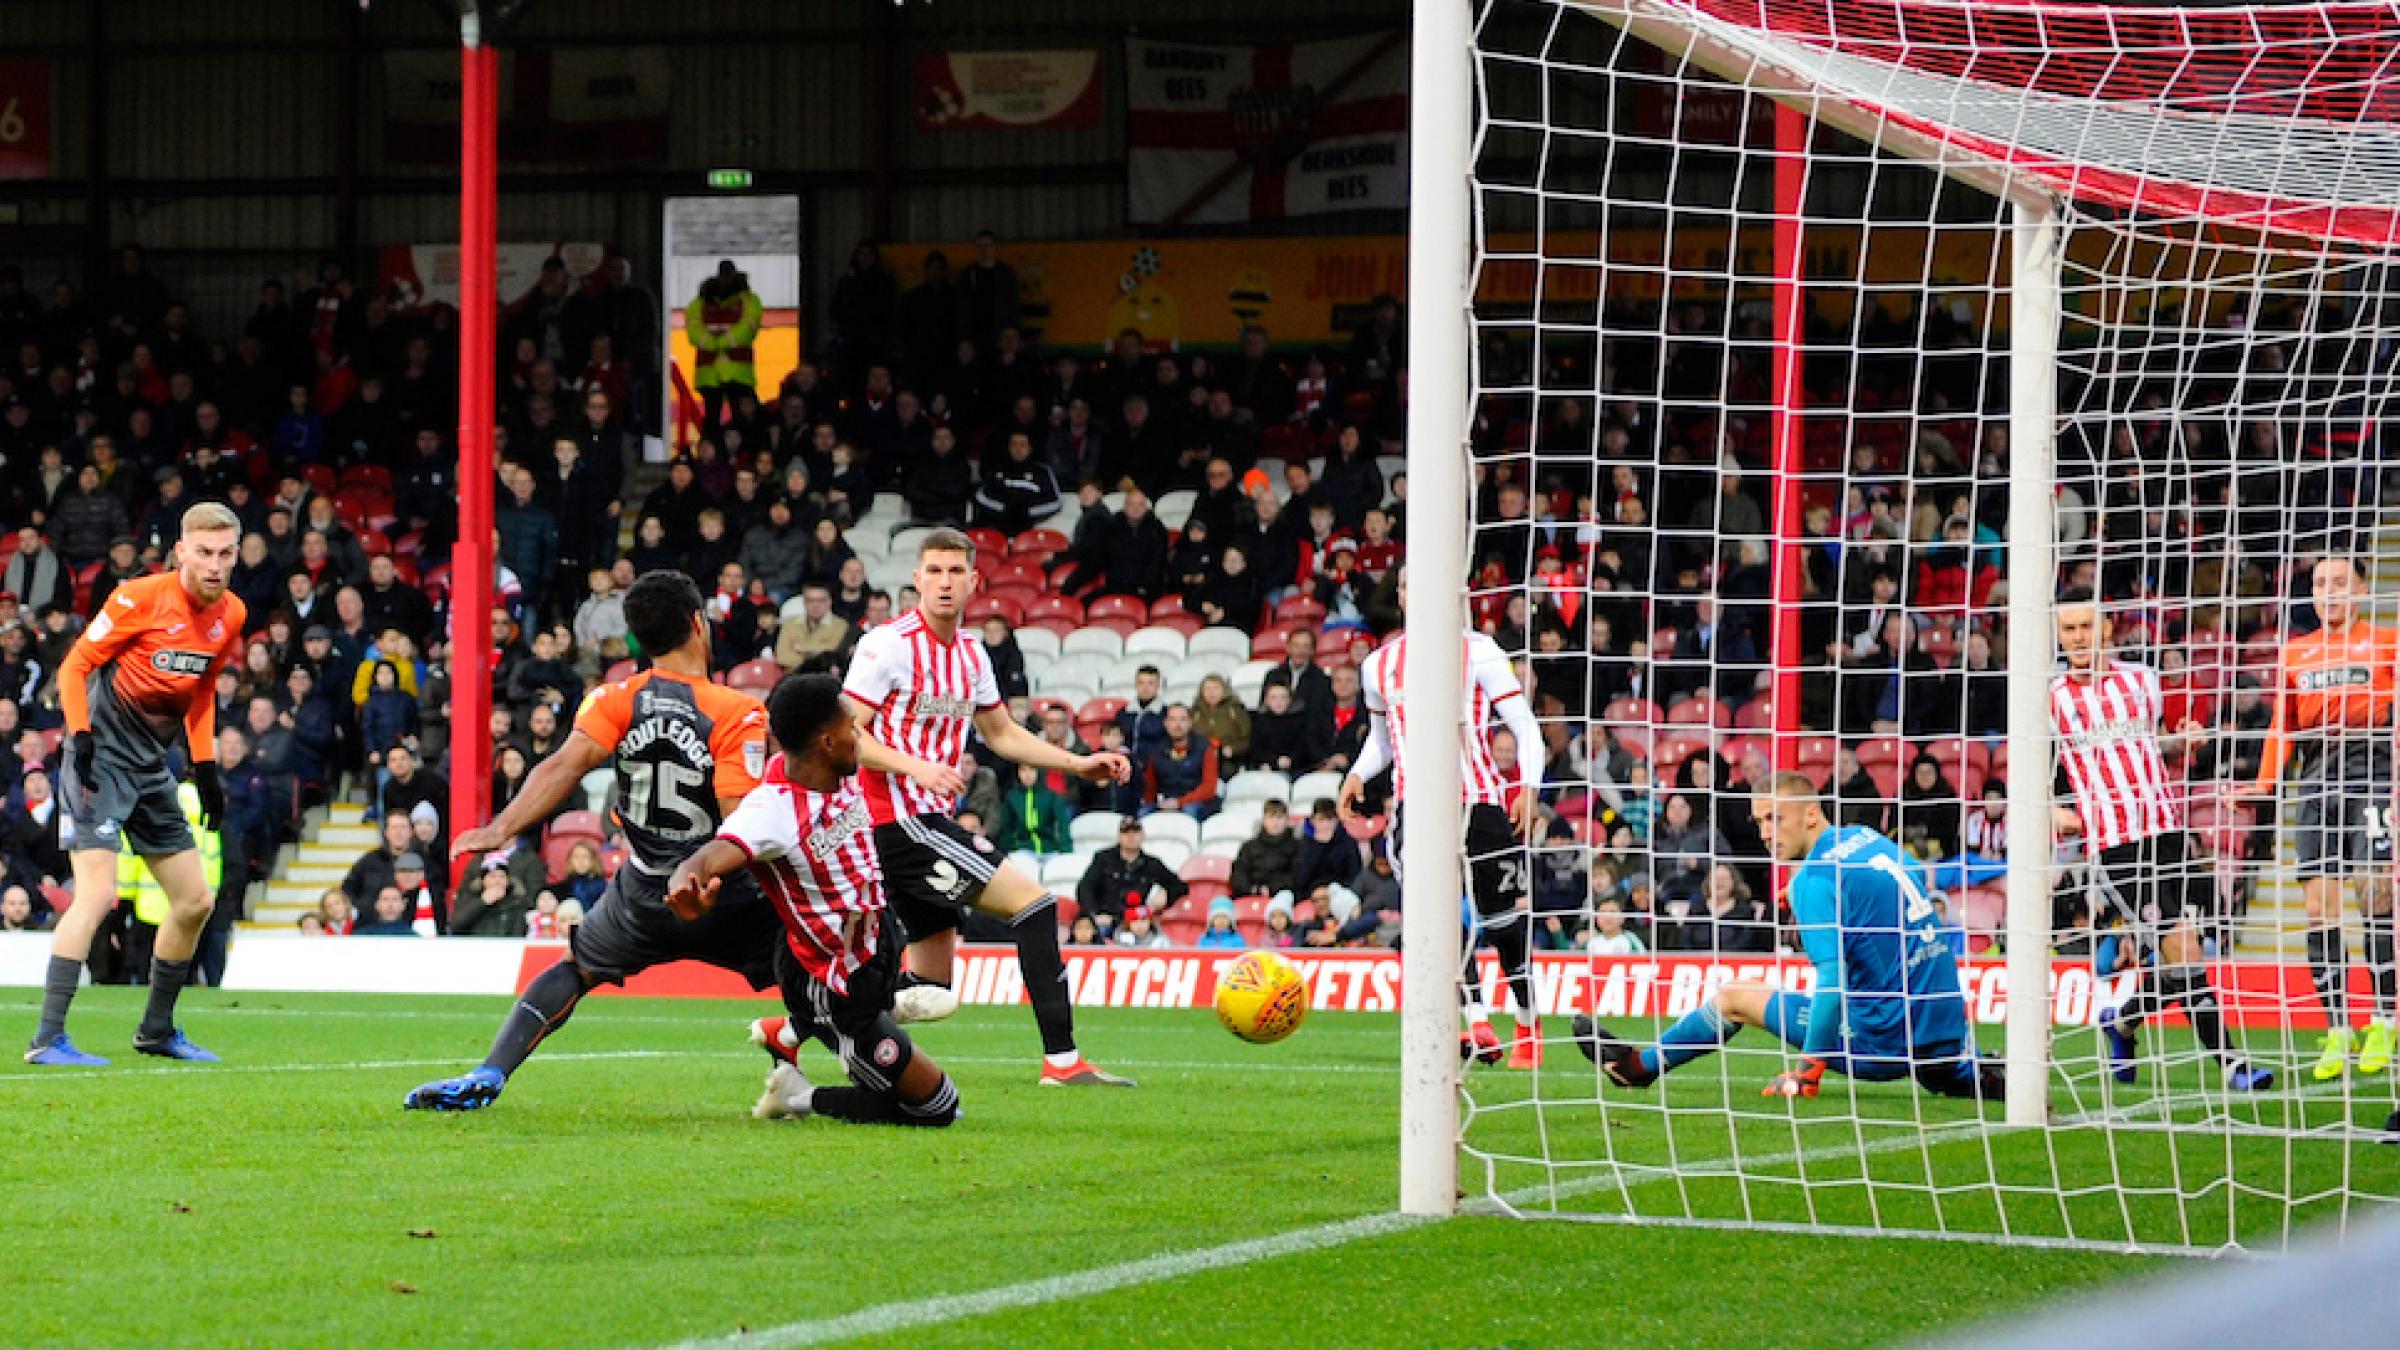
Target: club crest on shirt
x: 754, y: 758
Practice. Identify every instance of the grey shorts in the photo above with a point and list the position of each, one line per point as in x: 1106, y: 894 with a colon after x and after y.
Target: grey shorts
x: 630, y: 929
x: 2342, y: 818
x: 128, y: 806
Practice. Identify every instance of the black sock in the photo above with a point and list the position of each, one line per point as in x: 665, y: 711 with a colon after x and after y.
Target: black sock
x: 1512, y: 939
x: 2329, y: 971
x: 2379, y: 962
x: 1045, y: 974
x: 910, y: 979
x: 543, y: 1008
x: 58, y: 990
x: 167, y: 979
x: 2187, y: 987
x: 862, y: 1106
x: 2139, y: 1004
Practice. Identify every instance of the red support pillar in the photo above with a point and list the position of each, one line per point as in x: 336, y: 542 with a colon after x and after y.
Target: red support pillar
x: 473, y: 560
x: 1789, y: 400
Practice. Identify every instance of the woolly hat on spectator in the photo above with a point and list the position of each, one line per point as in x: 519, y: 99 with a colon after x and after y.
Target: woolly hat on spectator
x: 408, y: 862
x: 1223, y: 904
x: 423, y: 813
x: 1137, y: 913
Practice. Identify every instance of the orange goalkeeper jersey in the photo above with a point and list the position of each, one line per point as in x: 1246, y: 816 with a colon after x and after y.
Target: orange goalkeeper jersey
x: 147, y: 666
x: 2333, y: 684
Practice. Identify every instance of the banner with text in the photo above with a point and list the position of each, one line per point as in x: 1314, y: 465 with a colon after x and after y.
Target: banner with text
x: 1223, y: 135
x: 982, y: 91
x: 589, y: 105
x: 26, y: 116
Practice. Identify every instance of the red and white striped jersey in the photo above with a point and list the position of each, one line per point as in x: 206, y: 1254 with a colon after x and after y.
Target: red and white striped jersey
x: 2107, y: 729
x: 925, y: 693
x: 813, y: 854
x: 1489, y: 680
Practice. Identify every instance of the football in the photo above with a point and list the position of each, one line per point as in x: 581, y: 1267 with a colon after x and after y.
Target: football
x: 1262, y: 998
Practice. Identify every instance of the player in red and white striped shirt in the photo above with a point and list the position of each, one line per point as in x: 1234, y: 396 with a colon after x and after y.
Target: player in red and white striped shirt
x: 805, y: 835
x: 2105, y: 715
x: 1498, y: 813
x: 917, y: 686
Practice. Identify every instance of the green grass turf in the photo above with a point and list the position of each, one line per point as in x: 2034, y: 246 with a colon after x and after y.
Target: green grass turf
x: 620, y: 1194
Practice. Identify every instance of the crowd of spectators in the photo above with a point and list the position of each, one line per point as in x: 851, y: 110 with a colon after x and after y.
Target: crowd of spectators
x: 1622, y: 545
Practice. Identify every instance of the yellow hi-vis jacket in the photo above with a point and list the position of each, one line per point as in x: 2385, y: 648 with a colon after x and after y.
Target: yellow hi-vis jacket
x: 728, y: 357
x: 133, y: 875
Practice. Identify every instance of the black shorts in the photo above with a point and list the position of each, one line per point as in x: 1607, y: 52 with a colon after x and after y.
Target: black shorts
x: 2343, y: 817
x: 630, y: 929
x: 1497, y: 864
x: 855, y: 1024
x: 130, y: 805
x: 933, y: 872
x: 2156, y: 882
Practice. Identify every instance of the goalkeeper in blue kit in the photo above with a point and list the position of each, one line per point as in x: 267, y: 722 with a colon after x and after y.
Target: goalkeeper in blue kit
x: 1887, y: 1003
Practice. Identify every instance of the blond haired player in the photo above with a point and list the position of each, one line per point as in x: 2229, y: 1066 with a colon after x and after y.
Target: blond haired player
x: 142, y: 675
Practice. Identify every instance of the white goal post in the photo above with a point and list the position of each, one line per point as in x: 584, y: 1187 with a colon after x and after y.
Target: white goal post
x: 2139, y: 259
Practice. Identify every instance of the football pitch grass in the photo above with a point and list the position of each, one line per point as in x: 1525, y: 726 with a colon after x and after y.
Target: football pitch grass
x: 620, y: 1194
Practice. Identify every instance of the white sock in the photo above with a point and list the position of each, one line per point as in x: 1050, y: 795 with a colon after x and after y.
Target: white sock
x: 804, y: 1101
x: 1065, y: 1059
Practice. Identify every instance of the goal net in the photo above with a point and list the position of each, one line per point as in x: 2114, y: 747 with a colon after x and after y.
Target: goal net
x: 1824, y: 356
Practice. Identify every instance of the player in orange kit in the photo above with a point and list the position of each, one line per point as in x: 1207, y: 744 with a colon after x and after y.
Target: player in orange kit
x: 143, y: 673
x: 2333, y: 727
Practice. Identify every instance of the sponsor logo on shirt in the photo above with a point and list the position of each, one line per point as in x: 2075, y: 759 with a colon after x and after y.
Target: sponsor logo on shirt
x: 180, y: 663
x: 838, y: 830
x: 941, y: 705
x: 2334, y: 677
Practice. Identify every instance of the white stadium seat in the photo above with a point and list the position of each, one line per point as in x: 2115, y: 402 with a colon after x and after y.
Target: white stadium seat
x: 1232, y: 826
x: 1249, y: 679
x: 1095, y: 829
x: 1310, y: 788
x: 1173, y: 852
x: 905, y: 541
x: 1258, y: 785
x: 1183, y: 686
x: 1041, y: 640
x: 1091, y: 672
x: 1176, y: 507
x: 1096, y: 641
x: 1064, y: 871
x: 1174, y: 825
x: 1165, y: 642
x: 1232, y: 644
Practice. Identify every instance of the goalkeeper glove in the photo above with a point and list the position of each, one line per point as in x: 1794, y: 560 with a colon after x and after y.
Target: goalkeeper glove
x: 1799, y: 1082
x: 83, y: 759
x: 212, y: 793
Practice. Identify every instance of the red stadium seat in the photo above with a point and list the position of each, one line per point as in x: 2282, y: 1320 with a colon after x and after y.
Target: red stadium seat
x: 1299, y: 610
x: 321, y: 481
x: 557, y: 850
x: 1113, y: 607
x: 405, y: 569
x: 1019, y: 572
x: 1056, y: 608
x: 1633, y: 711
x: 1879, y: 750
x: 1043, y: 703
x: 1268, y: 645
x: 1044, y: 542
x: 1698, y: 710
x: 1102, y: 710
x: 369, y: 477
x: 756, y: 676
x: 1116, y: 623
x: 622, y: 670
x: 576, y: 825
x: 1002, y: 605
x: 1817, y: 750
x: 374, y: 544
x: 988, y: 541
x: 1186, y: 624
x: 1756, y: 715
x: 1159, y: 608
x: 1210, y: 868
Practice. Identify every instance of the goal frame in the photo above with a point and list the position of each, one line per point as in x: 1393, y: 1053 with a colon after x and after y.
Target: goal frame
x: 1443, y: 143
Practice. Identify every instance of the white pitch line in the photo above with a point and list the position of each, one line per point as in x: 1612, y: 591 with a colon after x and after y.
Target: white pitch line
x: 60, y: 1079
x: 886, y: 1318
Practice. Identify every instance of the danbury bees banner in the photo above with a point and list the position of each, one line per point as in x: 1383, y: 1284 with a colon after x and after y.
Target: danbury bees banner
x: 1223, y: 135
